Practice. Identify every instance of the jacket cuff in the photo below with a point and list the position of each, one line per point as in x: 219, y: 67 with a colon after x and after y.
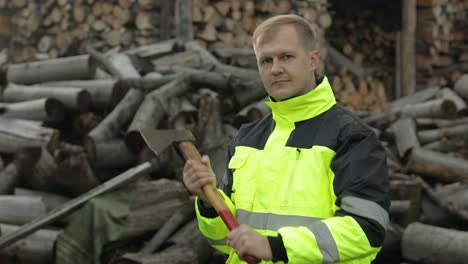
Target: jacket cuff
x: 208, y: 212
x: 277, y: 248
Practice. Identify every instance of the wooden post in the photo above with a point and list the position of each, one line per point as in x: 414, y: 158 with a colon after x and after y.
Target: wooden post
x: 167, y: 8
x: 183, y: 20
x: 408, y: 57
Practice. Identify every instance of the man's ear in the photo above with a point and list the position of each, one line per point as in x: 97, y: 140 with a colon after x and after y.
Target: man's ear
x: 314, y: 59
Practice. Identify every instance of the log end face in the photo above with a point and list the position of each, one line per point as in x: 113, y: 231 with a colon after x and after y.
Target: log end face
x: 84, y: 101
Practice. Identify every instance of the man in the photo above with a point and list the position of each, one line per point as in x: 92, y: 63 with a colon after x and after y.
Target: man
x: 308, y: 183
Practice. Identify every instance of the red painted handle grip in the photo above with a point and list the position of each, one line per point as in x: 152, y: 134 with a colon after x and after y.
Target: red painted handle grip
x: 190, y: 152
x: 231, y: 223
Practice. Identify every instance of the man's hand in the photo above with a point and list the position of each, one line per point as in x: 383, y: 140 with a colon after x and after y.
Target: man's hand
x: 246, y: 241
x: 197, y: 174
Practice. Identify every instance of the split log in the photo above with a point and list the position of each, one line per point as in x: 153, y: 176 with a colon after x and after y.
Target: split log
x: 155, y: 50
x: 174, y: 254
x: 18, y: 210
x: 100, y: 90
x: 74, y: 98
x: 124, y: 178
x: 45, y: 109
x: 146, y: 217
x: 441, y: 122
x: 205, y: 56
x: 175, y: 221
x: 432, y: 108
x: 36, y: 248
x: 189, y: 236
x: 152, y: 110
x: 430, y: 244
x: 252, y: 112
x: 418, y: 97
x: 37, y: 168
x: 405, y: 136
x: 16, y: 134
x: 146, y: 84
x: 111, y: 154
x: 409, y: 190
x: 74, y: 176
x: 446, y: 145
x: 50, y: 200
x: 437, y: 108
x: 450, y: 95
x: 342, y: 61
x: 432, y: 135
x: 461, y: 86
x: 454, y: 195
x: 398, y: 207
x: 68, y: 68
x: 9, y: 178
x: 433, y: 214
x: 125, y: 110
x: 437, y: 165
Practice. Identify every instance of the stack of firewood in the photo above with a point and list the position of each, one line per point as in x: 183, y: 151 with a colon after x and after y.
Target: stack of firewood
x: 441, y: 39
x: 57, y: 28
x: 68, y: 125
x: 425, y: 136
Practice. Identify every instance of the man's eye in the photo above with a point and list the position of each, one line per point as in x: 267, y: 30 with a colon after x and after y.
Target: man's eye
x: 286, y: 57
x: 265, y: 61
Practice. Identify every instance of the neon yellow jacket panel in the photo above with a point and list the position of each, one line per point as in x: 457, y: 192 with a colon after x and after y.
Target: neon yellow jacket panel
x: 311, y: 174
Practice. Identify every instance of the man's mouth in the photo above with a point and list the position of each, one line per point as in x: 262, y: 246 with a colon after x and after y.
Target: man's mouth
x: 280, y: 81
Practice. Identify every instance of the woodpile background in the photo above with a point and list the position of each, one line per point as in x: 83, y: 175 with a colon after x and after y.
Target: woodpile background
x: 68, y: 125
x: 442, y: 37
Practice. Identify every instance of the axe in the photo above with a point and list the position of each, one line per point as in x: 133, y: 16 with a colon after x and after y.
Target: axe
x: 159, y: 140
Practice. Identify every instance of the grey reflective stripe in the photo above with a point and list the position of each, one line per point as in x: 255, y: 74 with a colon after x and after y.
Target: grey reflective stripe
x: 365, y: 208
x: 268, y: 221
x: 220, y: 242
x: 325, y: 242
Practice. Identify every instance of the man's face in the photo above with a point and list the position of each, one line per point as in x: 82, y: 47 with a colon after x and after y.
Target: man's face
x: 286, y: 68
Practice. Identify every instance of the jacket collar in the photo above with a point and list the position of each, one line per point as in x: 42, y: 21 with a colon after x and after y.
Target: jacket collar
x: 304, y: 107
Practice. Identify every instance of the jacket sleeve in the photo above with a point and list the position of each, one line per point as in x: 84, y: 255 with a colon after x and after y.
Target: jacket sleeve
x: 357, y: 229
x: 210, y: 224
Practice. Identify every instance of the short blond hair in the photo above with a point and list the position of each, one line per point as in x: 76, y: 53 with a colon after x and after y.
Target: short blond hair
x: 309, y: 35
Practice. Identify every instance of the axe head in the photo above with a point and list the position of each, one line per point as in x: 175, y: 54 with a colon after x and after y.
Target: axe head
x: 160, y: 140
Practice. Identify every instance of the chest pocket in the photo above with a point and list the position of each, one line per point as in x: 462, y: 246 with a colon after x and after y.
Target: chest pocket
x: 243, y: 185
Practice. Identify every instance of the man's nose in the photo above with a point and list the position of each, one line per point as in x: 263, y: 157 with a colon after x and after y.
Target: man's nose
x: 277, y: 67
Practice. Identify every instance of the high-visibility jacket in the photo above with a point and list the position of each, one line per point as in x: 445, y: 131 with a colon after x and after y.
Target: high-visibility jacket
x: 311, y: 177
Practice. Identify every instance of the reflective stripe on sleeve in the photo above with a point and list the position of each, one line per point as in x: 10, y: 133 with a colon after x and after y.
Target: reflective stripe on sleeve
x: 268, y: 221
x: 325, y: 242
x: 365, y: 208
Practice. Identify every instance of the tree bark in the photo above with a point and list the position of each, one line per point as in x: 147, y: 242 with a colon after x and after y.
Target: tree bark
x: 36, y: 248
x: 428, y: 136
x: 461, y: 86
x: 69, y: 68
x: 156, y: 50
x: 74, y: 98
x: 18, y: 210
x: 125, y: 110
x: 437, y: 165
x: 111, y: 154
x: 74, y: 176
x: 430, y: 244
x: 405, y: 136
x: 37, y: 168
x: 152, y: 110
x: 45, y: 110
x: 100, y: 90
x: 16, y: 134
x: 9, y: 178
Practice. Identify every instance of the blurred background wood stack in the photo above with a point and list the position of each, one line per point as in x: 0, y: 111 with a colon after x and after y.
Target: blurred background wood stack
x: 69, y: 124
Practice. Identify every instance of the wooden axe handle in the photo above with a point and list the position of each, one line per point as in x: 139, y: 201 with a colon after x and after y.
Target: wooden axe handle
x: 189, y: 151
